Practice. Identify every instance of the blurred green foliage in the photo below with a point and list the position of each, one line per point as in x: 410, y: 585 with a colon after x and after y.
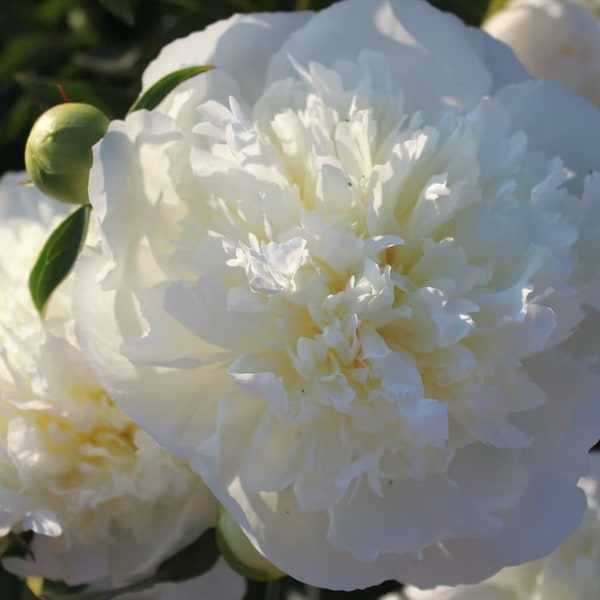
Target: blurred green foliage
x: 97, y: 50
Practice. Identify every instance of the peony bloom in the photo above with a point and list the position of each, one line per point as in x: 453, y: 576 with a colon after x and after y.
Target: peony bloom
x: 555, y: 39
x: 338, y: 274
x: 571, y: 572
x: 106, y: 502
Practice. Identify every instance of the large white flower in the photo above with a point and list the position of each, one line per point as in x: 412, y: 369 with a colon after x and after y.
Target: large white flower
x: 337, y: 274
x: 106, y: 501
x: 571, y: 572
x: 555, y: 39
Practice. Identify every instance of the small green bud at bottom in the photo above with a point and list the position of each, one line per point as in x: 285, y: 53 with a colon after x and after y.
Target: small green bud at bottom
x: 239, y: 552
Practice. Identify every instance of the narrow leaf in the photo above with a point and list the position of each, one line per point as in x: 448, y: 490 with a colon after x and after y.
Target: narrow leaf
x: 191, y: 561
x: 154, y: 95
x: 58, y: 256
x: 101, y: 595
x: 122, y: 9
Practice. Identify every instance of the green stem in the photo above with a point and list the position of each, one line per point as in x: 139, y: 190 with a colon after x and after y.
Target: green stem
x: 273, y: 590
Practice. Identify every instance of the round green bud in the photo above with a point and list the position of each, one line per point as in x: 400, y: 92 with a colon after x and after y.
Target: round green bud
x: 239, y: 552
x: 58, y: 153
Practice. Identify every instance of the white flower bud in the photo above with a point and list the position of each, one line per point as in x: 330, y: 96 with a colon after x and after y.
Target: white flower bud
x: 554, y: 39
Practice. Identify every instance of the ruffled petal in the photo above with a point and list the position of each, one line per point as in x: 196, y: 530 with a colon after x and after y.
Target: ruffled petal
x: 408, y: 33
x: 532, y: 105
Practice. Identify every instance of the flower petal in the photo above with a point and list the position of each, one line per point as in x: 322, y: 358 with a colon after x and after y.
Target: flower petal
x: 408, y: 33
x: 532, y: 105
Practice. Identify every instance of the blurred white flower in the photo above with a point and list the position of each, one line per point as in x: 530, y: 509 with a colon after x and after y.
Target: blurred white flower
x: 571, y: 572
x: 107, y: 501
x: 337, y: 274
x: 554, y: 39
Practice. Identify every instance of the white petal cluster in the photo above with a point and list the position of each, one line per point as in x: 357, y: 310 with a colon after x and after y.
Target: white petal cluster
x: 554, y: 39
x: 107, y: 502
x: 571, y: 572
x: 338, y: 273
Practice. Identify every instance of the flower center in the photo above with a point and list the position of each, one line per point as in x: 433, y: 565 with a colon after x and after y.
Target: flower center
x: 391, y: 268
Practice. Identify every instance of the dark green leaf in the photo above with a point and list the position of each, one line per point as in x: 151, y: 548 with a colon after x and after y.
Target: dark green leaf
x: 153, y: 96
x: 18, y: 544
x: 193, y: 560
x: 56, y: 588
x: 122, y: 9
x: 58, y: 256
x: 191, y: 5
x: 61, y: 591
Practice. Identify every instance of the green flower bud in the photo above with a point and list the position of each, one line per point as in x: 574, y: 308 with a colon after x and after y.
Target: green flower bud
x: 239, y: 552
x: 58, y: 154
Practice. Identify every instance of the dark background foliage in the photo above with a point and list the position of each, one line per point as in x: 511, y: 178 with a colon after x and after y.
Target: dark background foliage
x: 97, y: 50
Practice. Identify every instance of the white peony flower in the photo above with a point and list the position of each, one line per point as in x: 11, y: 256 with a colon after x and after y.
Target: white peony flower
x: 555, y: 39
x: 106, y: 501
x: 337, y: 274
x: 571, y: 572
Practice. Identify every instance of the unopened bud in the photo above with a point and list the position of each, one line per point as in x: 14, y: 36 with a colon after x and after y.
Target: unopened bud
x: 239, y: 552
x: 58, y: 154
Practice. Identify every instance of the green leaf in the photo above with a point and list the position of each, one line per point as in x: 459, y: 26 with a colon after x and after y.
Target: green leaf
x: 122, y: 9
x: 193, y: 560
x: 100, y: 595
x: 58, y: 256
x: 18, y: 544
x: 153, y: 96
